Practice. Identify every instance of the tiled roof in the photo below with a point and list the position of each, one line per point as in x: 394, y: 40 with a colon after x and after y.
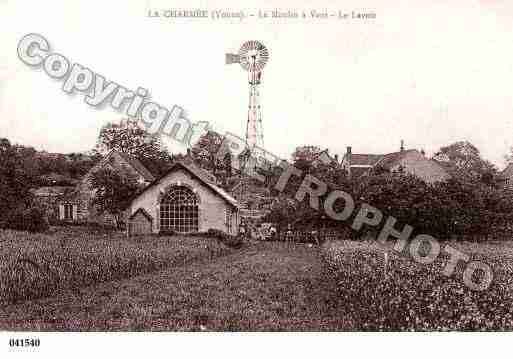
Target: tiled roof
x: 200, y: 172
x: 390, y: 159
x: 55, y: 177
x: 326, y: 158
x: 138, y: 166
x: 205, y: 177
x: 362, y: 163
x: 52, y: 191
x: 360, y: 159
x: 450, y: 168
x: 143, y: 212
x: 507, y: 172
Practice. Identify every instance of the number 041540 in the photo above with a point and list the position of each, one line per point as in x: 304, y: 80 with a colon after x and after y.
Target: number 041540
x: 24, y: 342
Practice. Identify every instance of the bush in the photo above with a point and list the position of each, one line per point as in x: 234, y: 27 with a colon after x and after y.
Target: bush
x: 31, y: 220
x: 167, y: 232
x: 216, y: 233
x: 412, y: 296
x: 225, y: 238
x: 232, y: 241
x: 86, y: 227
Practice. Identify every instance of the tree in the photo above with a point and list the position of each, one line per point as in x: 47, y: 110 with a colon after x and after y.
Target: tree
x: 205, y: 153
x: 509, y: 156
x: 14, y: 182
x: 28, y: 161
x: 129, y: 138
x: 205, y: 150
x: 16, y: 205
x: 463, y: 160
x: 303, y: 156
x: 441, y: 209
x: 113, y: 192
x: 79, y: 164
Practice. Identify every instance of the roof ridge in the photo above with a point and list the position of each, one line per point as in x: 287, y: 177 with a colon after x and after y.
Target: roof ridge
x: 227, y: 197
x: 135, y: 163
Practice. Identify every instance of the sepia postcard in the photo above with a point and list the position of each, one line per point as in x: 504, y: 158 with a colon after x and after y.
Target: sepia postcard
x: 299, y: 178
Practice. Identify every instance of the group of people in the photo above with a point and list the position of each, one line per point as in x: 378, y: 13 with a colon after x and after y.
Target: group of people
x: 268, y: 232
x: 259, y: 231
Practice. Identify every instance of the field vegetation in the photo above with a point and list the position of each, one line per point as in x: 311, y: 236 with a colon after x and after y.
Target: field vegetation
x: 405, y: 295
x: 264, y: 286
x: 38, y: 265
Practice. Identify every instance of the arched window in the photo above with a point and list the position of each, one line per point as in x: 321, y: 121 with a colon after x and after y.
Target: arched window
x: 179, y: 210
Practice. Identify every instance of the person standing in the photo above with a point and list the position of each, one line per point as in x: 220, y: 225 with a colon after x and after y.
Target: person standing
x: 315, y: 236
x: 242, y: 231
x: 272, y: 233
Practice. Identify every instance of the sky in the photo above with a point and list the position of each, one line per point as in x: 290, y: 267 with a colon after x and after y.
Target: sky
x: 431, y: 74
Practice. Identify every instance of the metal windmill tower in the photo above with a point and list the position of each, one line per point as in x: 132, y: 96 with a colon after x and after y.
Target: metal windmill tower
x: 252, y: 57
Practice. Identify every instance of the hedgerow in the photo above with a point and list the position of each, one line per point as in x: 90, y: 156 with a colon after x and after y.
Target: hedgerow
x: 412, y: 296
x: 450, y: 209
x: 30, y: 219
x: 443, y: 209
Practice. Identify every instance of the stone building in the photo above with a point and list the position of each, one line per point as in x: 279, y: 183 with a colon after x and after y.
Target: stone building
x: 506, y: 178
x: 49, y: 200
x: 185, y: 200
x: 75, y: 204
x: 405, y: 161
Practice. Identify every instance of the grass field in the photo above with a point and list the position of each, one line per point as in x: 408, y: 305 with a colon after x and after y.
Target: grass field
x: 264, y: 286
x: 197, y: 284
x: 36, y: 265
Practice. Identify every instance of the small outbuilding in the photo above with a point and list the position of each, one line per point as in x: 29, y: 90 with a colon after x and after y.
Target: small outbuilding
x: 140, y: 222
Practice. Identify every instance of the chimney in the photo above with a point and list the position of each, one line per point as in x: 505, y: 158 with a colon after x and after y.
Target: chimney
x: 188, y: 158
x: 348, y: 154
x: 348, y: 159
x: 402, y: 145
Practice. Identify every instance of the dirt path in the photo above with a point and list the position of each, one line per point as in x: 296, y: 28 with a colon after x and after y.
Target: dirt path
x: 267, y: 286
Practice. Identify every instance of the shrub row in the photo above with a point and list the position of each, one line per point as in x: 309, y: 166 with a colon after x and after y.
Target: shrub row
x: 30, y: 219
x: 413, y: 296
x: 442, y: 209
x: 448, y: 209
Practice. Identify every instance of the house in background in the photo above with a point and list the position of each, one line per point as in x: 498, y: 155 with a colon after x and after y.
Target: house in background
x: 325, y: 158
x: 80, y: 202
x: 358, y: 164
x: 405, y: 161
x: 54, y: 179
x: 184, y: 200
x: 506, y: 178
x: 74, y: 204
x: 50, y: 199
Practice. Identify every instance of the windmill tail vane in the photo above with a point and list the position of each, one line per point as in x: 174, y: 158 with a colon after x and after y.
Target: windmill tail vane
x: 232, y: 59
